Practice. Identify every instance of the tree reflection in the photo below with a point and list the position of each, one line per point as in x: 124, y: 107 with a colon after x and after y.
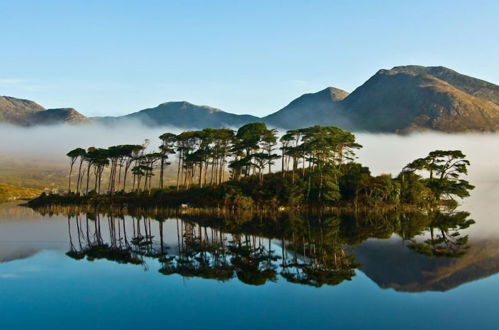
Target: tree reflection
x: 318, y: 253
x: 200, y: 254
x: 92, y: 245
x: 442, y: 235
x: 313, y: 250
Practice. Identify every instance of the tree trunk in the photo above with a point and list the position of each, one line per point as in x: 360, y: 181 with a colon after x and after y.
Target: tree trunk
x: 161, y: 172
x: 79, y: 177
x: 88, y: 177
x: 179, y: 167
x: 69, y: 178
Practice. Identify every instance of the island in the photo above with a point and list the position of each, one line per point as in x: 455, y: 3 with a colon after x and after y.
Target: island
x: 257, y: 168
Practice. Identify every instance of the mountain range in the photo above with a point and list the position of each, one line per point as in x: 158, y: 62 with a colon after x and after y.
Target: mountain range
x: 28, y: 113
x: 403, y: 99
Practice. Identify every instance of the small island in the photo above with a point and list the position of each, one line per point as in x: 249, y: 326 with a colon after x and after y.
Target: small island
x: 255, y: 169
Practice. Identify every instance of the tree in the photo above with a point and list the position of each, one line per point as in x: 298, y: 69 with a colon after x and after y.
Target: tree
x: 130, y: 154
x: 444, y: 169
x: 167, y: 147
x: 246, y: 149
x: 378, y: 190
x: 223, y: 139
x: 413, y: 189
x: 96, y: 158
x: 73, y: 156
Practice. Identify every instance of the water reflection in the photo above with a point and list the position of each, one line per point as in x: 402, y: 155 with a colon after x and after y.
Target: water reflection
x: 313, y: 250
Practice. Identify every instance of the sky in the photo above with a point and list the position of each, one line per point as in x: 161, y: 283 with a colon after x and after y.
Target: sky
x: 116, y: 57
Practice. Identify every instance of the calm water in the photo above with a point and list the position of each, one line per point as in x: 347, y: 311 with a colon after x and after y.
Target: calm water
x: 107, y: 271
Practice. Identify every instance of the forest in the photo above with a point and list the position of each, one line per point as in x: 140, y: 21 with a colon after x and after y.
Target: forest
x: 256, y: 168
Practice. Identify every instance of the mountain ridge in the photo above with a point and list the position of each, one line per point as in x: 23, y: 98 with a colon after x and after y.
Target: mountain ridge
x: 324, y: 104
x: 398, y: 100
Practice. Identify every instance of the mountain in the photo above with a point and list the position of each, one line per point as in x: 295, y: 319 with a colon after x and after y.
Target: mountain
x: 183, y: 115
x: 399, y: 100
x: 28, y: 113
x: 473, y: 86
x: 310, y: 109
x: 57, y: 116
x: 414, y: 98
x: 16, y: 111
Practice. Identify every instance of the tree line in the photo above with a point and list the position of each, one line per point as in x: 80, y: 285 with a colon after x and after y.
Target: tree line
x: 316, y: 165
x: 205, y: 156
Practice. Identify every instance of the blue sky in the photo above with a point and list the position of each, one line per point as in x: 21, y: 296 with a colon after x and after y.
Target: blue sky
x: 116, y: 57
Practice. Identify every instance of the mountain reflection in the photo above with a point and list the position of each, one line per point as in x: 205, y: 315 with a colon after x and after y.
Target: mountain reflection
x: 313, y: 250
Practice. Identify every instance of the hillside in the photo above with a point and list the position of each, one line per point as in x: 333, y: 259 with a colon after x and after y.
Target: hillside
x: 16, y: 111
x: 57, y: 116
x: 10, y: 192
x: 28, y: 113
x: 183, y: 115
x: 310, y: 109
x: 473, y: 86
x: 398, y: 100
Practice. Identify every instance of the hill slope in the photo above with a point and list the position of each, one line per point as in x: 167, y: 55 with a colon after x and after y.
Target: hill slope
x: 28, y: 113
x: 57, y: 116
x: 10, y: 192
x: 16, y: 111
x: 409, y: 98
x: 183, y: 115
x: 473, y: 86
x: 310, y: 109
x: 403, y: 99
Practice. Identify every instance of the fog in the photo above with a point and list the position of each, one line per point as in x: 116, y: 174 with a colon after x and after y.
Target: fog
x: 382, y: 153
x: 53, y: 142
x: 390, y: 153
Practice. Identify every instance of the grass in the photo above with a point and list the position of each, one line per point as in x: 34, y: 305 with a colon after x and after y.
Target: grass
x: 10, y: 192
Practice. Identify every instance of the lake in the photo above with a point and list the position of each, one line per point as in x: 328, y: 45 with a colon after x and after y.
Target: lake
x: 91, y: 270
x: 83, y: 269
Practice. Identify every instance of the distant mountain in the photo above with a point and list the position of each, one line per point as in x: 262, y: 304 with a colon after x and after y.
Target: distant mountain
x: 183, y: 115
x: 16, y: 111
x: 57, y: 116
x: 323, y: 107
x: 403, y: 99
x: 414, y: 98
x: 467, y: 84
x: 28, y: 113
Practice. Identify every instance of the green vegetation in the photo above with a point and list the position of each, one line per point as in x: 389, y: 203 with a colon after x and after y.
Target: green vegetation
x: 10, y: 192
x: 237, y: 169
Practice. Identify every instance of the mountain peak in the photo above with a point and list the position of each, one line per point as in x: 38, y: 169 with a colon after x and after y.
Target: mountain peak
x: 16, y: 110
x: 403, y: 98
x: 418, y: 97
x: 182, y: 114
x: 309, y: 109
x: 470, y: 85
x: 58, y: 116
x: 184, y: 105
x: 334, y: 93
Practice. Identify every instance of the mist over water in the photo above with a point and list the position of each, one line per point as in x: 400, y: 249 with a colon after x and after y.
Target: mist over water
x: 382, y: 153
x: 390, y: 153
x: 53, y: 142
